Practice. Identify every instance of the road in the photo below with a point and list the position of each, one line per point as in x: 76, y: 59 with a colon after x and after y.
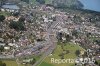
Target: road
x: 51, y: 39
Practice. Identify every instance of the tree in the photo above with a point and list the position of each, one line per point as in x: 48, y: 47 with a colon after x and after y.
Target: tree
x: 85, y: 54
x: 2, y: 2
x: 21, y: 19
x: 88, y: 34
x: 75, y: 33
x: 97, y: 41
x: 2, y: 64
x: 77, y: 52
x: 16, y: 14
x: 1, y: 48
x: 68, y: 38
x: 59, y: 36
x: 54, y: 18
x: 33, y: 61
x: 96, y: 62
x: 13, y: 25
x: 17, y: 25
x: 61, y: 55
x: 67, y: 51
x: 41, y: 1
x: 67, y: 3
x: 2, y: 18
x: 21, y: 26
x: 27, y: 1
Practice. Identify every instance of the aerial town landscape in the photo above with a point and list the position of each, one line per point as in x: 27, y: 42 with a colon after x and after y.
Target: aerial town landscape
x: 48, y: 33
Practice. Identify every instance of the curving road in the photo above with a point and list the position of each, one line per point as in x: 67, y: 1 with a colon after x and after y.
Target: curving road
x: 51, y: 39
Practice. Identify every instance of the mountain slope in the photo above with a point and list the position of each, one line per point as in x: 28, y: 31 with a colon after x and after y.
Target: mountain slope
x: 64, y: 3
x: 67, y: 3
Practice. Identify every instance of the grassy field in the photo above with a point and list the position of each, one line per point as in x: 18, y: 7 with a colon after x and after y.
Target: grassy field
x: 98, y: 61
x: 94, y: 38
x: 11, y: 63
x: 46, y: 1
x: 69, y: 46
x: 33, y: 1
x: 14, y: 63
x: 46, y: 64
x: 4, y: 13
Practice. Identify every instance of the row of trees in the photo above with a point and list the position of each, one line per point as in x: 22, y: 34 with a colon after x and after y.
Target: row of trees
x: 33, y: 61
x: 1, y: 48
x: 74, y: 4
x: 2, y: 18
x: 97, y: 63
x: 41, y: 1
x: 18, y: 25
x: 60, y: 35
x: 2, y: 64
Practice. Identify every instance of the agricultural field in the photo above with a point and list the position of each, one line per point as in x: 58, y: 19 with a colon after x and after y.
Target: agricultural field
x: 71, y: 55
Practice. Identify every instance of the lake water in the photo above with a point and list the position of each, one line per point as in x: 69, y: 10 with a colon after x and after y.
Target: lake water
x: 10, y: 7
x: 91, y: 4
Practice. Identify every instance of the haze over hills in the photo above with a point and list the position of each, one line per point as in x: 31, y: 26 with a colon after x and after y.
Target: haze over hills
x: 64, y: 3
x: 56, y: 3
x: 67, y: 3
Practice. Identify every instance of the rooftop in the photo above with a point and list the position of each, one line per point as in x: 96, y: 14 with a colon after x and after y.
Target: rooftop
x: 10, y: 6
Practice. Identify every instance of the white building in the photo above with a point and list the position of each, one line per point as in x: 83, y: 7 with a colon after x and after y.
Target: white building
x: 10, y: 7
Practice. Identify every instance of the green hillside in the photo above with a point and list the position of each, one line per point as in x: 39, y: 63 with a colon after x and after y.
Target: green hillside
x: 63, y: 3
